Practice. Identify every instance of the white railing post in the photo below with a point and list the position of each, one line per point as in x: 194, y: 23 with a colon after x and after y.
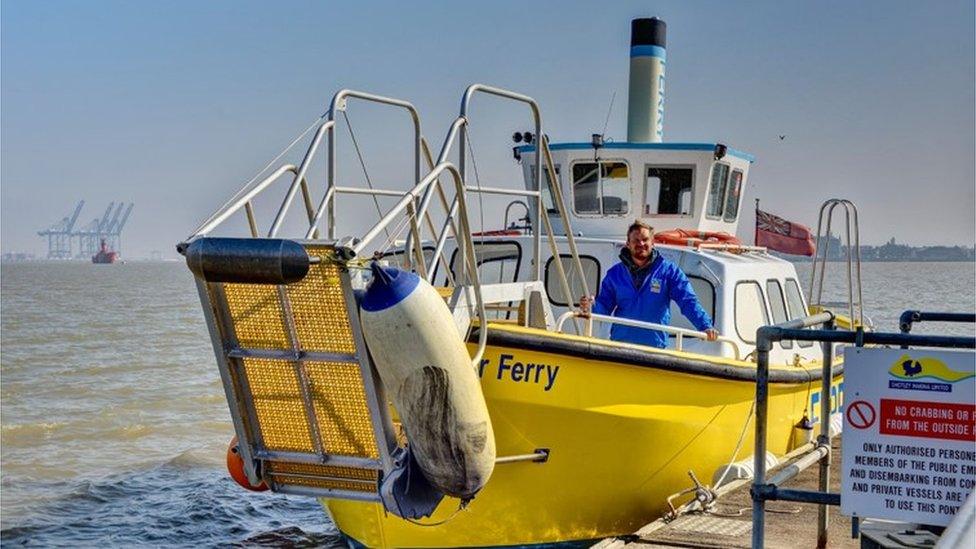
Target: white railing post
x: 677, y: 332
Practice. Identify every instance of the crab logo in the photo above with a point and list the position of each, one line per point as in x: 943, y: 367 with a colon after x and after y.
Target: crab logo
x: 926, y: 367
x: 911, y: 367
x: 924, y: 373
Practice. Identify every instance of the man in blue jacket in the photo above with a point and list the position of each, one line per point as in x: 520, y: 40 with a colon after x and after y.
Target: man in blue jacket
x: 641, y: 287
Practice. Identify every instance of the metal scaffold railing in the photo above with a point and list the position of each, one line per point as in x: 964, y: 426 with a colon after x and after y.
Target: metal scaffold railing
x: 414, y: 208
x: 764, y: 489
x: 275, y: 305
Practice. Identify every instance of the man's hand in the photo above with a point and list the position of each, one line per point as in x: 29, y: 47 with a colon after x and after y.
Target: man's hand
x: 586, y: 304
x: 712, y: 334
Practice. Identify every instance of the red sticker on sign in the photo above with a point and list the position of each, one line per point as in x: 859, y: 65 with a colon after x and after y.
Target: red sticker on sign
x: 860, y: 414
x: 912, y: 418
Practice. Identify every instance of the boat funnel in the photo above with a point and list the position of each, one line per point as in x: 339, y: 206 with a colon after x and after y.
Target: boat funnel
x: 645, y: 109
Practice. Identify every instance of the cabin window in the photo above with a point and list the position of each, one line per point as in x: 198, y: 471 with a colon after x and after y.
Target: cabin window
x: 716, y: 190
x: 667, y: 190
x: 554, y: 287
x: 795, y: 301
x: 777, y: 306
x: 706, y: 296
x: 750, y: 310
x: 601, y: 188
x: 732, y: 196
x: 547, y: 201
x: 498, y: 262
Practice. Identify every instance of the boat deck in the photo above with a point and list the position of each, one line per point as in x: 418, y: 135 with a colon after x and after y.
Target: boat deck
x: 729, y: 524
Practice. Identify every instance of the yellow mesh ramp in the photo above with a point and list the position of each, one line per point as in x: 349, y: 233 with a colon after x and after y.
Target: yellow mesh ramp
x: 256, y: 313
x: 295, y: 370
x: 319, y: 308
x: 340, y: 408
x: 323, y: 476
x: 278, y: 405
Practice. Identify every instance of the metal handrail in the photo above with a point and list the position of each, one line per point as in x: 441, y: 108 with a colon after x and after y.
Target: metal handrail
x: 407, y: 202
x: 339, y: 101
x: 509, y: 207
x: 678, y: 332
x: 498, y: 190
x: 448, y: 222
x: 827, y: 211
x: 798, y: 330
x: 245, y: 200
x: 415, y: 202
x: 376, y: 192
x: 537, y: 175
x: 300, y: 176
x: 910, y: 317
x: 456, y: 131
x: 441, y: 239
x: 555, y: 190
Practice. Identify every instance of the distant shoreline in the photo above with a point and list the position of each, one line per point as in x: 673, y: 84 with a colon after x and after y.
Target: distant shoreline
x: 863, y: 260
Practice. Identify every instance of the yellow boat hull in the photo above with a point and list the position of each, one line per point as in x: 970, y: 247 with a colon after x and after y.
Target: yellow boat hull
x: 621, y: 437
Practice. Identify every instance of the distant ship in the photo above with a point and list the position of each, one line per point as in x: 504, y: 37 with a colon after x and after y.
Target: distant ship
x: 105, y: 255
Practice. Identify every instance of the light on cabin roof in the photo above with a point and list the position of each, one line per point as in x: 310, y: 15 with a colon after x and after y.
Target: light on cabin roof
x: 597, y: 140
x: 720, y: 151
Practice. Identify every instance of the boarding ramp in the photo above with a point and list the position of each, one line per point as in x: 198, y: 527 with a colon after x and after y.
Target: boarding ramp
x: 309, y: 411
x: 307, y: 407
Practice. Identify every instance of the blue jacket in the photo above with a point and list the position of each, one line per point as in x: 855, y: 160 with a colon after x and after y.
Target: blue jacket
x: 650, y: 301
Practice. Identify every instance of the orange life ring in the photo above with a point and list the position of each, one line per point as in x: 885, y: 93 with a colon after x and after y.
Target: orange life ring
x: 683, y: 237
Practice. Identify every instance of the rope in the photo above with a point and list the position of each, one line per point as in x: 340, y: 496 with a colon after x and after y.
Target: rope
x: 609, y: 112
x: 740, y: 510
x: 369, y: 182
x: 738, y: 445
x: 461, y: 507
x: 401, y: 226
x: 284, y: 151
x: 330, y: 256
x: 477, y: 179
x: 737, y: 513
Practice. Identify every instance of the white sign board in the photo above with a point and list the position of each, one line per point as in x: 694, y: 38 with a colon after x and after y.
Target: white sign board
x: 909, y: 442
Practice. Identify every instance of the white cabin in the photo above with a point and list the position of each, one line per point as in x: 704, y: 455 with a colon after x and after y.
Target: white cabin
x: 693, y: 186
x: 605, y: 186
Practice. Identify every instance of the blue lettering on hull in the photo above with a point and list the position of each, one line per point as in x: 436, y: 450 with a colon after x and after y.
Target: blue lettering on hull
x: 513, y: 370
x: 836, y: 402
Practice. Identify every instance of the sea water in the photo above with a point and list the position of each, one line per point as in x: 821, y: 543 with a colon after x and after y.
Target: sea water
x: 115, y: 427
x: 114, y: 421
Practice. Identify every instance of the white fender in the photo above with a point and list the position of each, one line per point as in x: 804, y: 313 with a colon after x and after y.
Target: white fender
x: 424, y: 365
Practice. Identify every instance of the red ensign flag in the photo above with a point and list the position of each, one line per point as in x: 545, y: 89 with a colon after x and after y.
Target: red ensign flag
x: 784, y: 236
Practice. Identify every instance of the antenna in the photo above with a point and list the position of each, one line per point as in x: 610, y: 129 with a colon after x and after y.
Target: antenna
x: 609, y: 111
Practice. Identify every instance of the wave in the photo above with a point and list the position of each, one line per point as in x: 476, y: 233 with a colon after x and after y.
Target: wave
x: 177, y: 503
x: 17, y: 433
x: 194, y: 458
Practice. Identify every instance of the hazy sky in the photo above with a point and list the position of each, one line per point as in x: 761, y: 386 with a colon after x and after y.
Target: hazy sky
x: 174, y: 105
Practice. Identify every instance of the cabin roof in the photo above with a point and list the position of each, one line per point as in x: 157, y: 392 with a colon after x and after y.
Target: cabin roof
x: 641, y: 146
x: 727, y: 261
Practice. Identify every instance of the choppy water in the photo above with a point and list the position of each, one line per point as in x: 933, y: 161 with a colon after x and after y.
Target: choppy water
x: 114, y: 424
x: 891, y: 288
